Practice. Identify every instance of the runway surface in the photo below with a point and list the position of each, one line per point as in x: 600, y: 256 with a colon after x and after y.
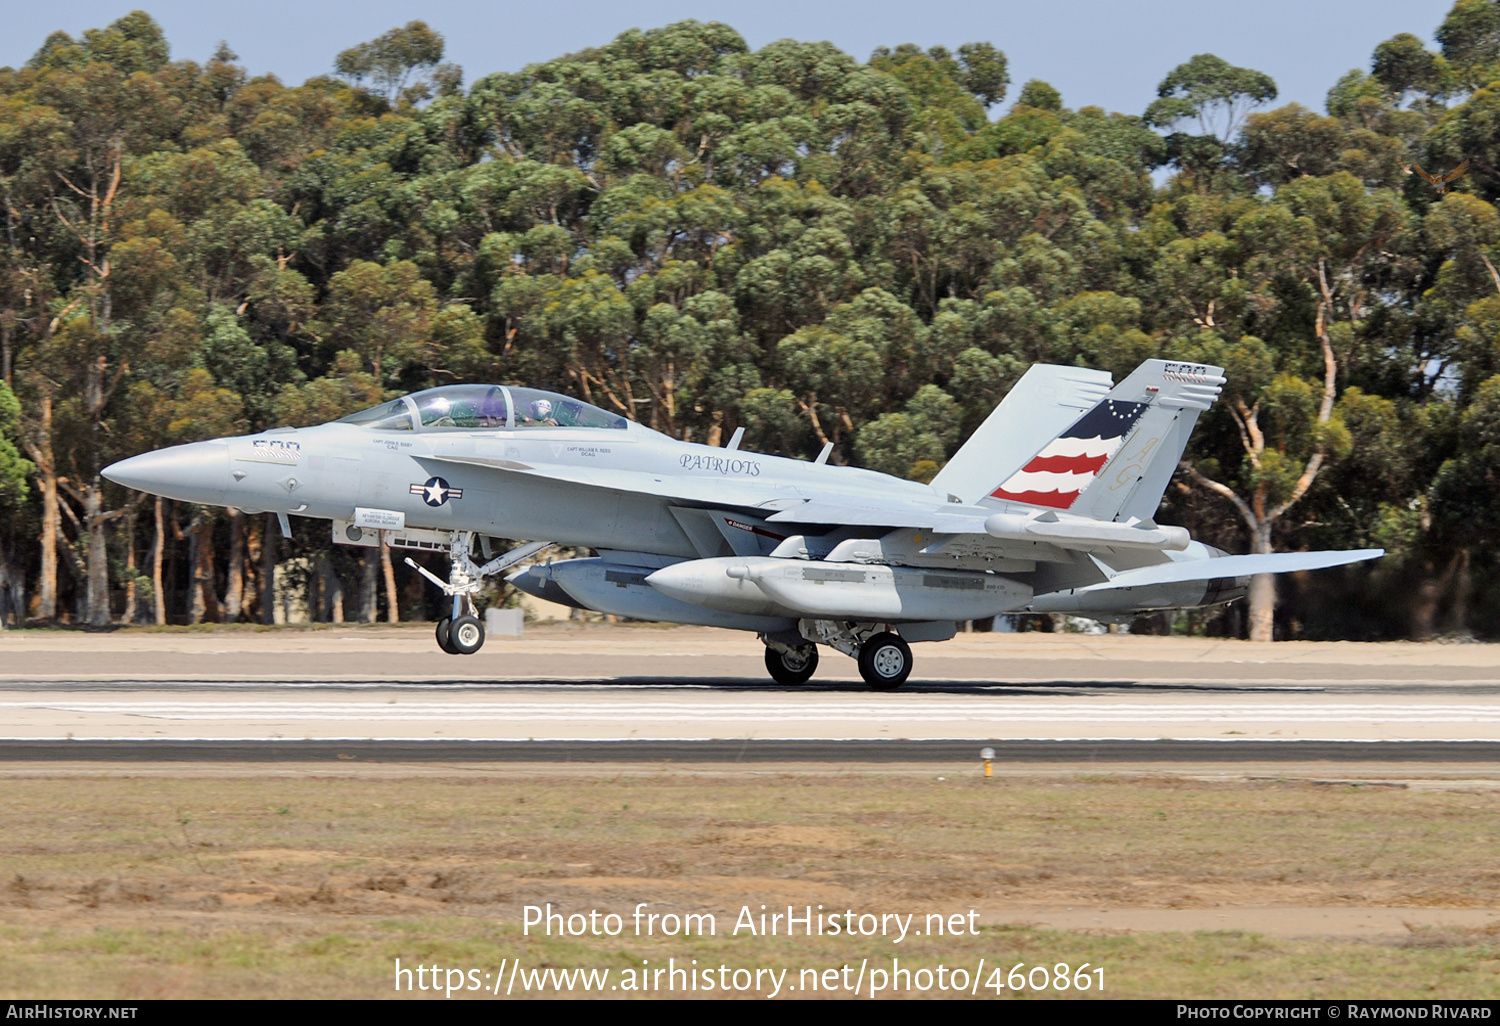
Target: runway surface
x: 575, y: 693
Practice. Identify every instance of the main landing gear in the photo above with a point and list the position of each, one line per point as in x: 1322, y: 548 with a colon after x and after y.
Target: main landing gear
x: 791, y: 665
x: 883, y: 656
x: 462, y: 632
x: 885, y: 661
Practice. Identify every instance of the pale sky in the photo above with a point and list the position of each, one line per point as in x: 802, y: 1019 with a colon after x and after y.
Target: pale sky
x: 1111, y: 53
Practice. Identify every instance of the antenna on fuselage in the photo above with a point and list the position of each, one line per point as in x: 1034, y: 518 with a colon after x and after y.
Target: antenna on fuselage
x: 823, y: 456
x: 734, y: 441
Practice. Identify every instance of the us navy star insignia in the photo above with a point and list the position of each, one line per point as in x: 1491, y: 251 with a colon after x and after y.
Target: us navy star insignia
x: 435, y: 491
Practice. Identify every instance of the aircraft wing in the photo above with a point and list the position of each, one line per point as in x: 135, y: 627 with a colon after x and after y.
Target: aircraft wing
x: 748, y: 494
x: 930, y: 516
x: 715, y: 490
x: 1231, y: 566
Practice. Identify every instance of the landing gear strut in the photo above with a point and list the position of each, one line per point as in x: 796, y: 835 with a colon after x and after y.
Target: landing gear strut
x: 461, y: 632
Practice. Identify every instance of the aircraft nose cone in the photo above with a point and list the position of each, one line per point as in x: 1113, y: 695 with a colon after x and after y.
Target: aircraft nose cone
x: 196, y: 472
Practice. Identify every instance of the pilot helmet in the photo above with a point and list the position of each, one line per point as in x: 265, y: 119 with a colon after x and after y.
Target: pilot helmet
x: 541, y: 409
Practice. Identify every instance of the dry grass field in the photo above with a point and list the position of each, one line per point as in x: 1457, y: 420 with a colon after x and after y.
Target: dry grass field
x: 301, y: 882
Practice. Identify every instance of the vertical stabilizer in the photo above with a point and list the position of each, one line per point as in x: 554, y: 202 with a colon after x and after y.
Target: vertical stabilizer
x: 1045, y: 401
x: 1115, y: 461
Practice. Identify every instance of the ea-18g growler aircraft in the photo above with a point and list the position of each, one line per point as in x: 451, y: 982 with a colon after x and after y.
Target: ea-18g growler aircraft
x: 1047, y: 509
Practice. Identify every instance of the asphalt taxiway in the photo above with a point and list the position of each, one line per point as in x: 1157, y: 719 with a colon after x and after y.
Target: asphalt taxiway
x: 644, y: 693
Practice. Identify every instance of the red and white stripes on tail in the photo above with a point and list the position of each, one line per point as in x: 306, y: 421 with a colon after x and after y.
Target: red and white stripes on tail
x: 1067, y: 465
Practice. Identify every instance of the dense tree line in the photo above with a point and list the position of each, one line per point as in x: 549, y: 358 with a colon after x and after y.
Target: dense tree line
x: 703, y: 238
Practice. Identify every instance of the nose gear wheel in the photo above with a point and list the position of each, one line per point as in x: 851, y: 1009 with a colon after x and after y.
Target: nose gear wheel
x: 442, y: 635
x: 466, y: 635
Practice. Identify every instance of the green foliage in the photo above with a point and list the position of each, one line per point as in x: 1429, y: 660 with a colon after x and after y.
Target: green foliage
x: 915, y: 443
x: 1403, y: 65
x: 133, y: 43
x: 13, y: 469
x: 1040, y: 96
x: 1211, y: 91
x: 986, y: 71
x: 1470, y: 39
x: 1465, y: 498
x: 702, y: 237
x: 390, y: 60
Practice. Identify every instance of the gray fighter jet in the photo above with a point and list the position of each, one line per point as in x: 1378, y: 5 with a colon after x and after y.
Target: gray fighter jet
x: 1048, y: 507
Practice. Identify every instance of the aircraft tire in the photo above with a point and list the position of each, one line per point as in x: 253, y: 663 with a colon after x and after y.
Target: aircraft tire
x: 442, y: 635
x: 466, y: 635
x: 885, y: 661
x: 792, y: 671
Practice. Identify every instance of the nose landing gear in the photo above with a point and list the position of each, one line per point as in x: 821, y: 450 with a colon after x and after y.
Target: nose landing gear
x: 461, y: 632
x: 465, y: 635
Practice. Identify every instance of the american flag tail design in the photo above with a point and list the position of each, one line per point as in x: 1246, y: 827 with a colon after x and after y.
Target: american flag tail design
x: 1067, y: 465
x: 1116, y: 460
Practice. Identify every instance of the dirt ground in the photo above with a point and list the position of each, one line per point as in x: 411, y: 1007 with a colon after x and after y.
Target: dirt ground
x: 300, y: 882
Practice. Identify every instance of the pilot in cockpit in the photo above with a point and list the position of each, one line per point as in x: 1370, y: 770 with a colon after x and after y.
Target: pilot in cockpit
x: 541, y: 413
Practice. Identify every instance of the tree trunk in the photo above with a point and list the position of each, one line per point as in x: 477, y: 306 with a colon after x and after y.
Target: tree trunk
x: 1262, y: 589
x: 12, y: 590
x: 234, y: 584
x: 158, y: 595
x: 393, y: 608
x: 1458, y: 613
x: 129, y: 615
x: 315, y: 578
x: 195, y: 577
x: 370, y: 571
x: 269, y: 542
x: 250, y: 592
x: 51, y: 525
x: 333, y: 590
x: 1422, y: 624
x: 1424, y: 610
x: 213, y: 610
x: 174, y: 554
x: 98, y: 569
x: 77, y: 573
x: 41, y: 454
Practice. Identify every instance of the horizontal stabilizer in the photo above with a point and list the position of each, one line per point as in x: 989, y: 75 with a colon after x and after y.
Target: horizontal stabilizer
x: 1232, y: 566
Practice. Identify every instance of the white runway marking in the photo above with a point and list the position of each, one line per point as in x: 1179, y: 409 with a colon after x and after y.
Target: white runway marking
x: 922, y: 708
x: 549, y: 712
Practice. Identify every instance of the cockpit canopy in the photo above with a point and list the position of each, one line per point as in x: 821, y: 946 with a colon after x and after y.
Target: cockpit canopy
x: 471, y: 407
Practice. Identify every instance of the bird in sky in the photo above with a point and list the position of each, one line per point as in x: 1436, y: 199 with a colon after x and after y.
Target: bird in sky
x: 1440, y: 181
